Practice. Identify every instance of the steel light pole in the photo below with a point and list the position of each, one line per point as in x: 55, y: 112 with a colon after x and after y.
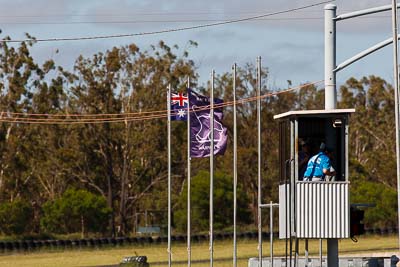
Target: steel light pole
x: 330, y: 82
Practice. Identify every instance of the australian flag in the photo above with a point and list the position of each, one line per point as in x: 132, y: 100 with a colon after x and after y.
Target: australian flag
x: 200, y: 128
x: 179, y: 107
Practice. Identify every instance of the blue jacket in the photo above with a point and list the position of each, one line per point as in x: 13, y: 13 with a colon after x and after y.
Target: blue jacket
x: 316, y: 165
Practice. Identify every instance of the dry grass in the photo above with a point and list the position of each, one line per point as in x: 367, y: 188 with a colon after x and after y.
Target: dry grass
x: 157, y: 254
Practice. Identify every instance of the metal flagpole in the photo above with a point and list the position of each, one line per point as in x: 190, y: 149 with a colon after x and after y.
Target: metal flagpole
x: 259, y: 159
x: 306, y: 252
x: 169, y: 174
x: 396, y: 94
x: 234, y: 169
x: 212, y: 169
x: 189, y: 246
x: 320, y: 251
x: 271, y: 233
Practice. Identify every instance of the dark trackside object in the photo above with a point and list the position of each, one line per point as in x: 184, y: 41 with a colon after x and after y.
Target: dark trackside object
x: 356, y: 222
x: 134, y: 261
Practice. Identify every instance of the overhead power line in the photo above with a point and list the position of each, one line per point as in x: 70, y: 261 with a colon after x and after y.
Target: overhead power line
x: 169, y: 30
x: 190, y: 13
x: 181, y: 13
x: 165, y: 21
x: 146, y: 21
x: 35, y: 118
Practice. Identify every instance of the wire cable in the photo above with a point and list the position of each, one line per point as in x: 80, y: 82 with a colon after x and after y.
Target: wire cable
x: 141, y: 113
x: 149, y: 21
x: 25, y: 119
x: 135, y: 14
x: 167, y: 30
x: 89, y: 120
x: 175, y: 21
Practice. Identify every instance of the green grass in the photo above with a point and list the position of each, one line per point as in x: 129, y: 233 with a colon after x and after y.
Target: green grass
x: 157, y: 254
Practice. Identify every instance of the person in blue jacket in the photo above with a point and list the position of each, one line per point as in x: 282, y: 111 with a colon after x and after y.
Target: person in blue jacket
x: 319, y: 165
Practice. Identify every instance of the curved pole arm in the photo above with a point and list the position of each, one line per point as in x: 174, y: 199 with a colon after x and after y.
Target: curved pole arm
x: 364, y: 53
x: 364, y: 12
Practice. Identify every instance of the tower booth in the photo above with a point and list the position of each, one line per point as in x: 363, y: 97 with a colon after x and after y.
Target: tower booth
x: 313, y: 209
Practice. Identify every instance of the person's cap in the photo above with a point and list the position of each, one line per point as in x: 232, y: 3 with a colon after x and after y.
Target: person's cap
x: 324, y: 147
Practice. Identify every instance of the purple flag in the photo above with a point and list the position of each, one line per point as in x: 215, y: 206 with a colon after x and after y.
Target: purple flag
x: 200, y: 131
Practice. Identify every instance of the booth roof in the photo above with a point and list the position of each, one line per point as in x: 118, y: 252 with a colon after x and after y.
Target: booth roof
x: 314, y: 113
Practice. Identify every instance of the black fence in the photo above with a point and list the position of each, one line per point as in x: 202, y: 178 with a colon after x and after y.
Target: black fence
x: 31, y: 245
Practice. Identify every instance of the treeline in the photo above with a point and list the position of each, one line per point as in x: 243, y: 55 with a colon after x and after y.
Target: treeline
x: 109, y: 178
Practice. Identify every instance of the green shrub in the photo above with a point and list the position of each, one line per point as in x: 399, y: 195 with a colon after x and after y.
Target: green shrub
x: 363, y: 190
x: 75, y: 211
x: 15, y: 217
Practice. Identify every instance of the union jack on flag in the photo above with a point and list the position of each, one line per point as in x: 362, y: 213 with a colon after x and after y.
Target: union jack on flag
x: 179, y: 106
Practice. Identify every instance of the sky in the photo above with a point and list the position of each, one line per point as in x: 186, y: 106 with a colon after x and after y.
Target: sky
x: 291, y: 45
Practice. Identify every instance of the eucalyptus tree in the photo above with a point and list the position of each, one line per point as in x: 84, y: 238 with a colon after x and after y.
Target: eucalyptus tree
x: 125, y: 161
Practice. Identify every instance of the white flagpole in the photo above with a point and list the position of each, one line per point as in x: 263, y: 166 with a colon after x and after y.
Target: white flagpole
x: 169, y: 175
x: 189, y: 246
x: 212, y: 169
x: 234, y: 169
x: 259, y: 160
